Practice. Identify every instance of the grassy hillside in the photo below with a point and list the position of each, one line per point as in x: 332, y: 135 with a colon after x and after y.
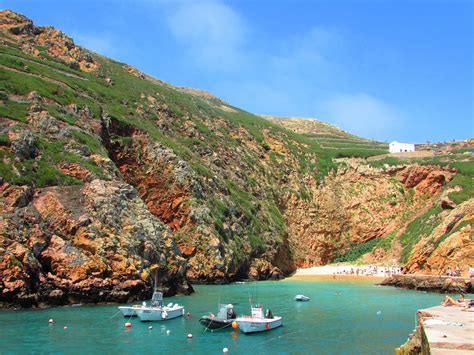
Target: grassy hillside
x: 212, y: 172
x: 335, y: 141
x: 130, y: 173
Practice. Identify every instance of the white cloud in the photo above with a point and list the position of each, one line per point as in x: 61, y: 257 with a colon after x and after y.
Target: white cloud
x: 212, y: 32
x: 363, y: 115
x: 294, y: 76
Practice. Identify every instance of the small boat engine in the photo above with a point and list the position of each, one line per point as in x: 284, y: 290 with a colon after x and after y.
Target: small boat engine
x: 269, y: 314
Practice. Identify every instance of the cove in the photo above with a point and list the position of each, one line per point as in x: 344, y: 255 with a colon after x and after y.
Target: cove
x: 355, y: 317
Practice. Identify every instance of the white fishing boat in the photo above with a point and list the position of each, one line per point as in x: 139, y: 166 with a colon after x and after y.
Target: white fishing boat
x: 302, y: 298
x: 127, y: 311
x: 258, y: 322
x: 158, y: 312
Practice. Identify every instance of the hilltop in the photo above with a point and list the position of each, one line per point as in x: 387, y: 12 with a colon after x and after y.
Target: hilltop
x: 334, y: 140
x: 110, y: 177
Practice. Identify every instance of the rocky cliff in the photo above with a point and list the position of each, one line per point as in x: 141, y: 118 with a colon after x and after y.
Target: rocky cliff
x: 110, y: 176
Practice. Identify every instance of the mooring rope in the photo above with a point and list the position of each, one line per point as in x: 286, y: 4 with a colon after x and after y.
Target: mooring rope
x: 115, y: 314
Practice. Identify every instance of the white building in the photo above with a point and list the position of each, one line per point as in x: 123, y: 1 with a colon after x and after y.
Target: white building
x: 397, y: 147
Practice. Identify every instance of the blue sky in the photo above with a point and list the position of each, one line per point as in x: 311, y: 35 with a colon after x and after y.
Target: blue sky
x: 390, y: 70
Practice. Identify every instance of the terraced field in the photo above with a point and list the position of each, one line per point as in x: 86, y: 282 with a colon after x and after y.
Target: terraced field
x: 335, y: 141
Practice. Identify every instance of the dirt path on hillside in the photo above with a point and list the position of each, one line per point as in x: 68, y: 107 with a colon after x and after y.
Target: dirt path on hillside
x: 59, y: 71
x: 46, y: 78
x: 419, y: 154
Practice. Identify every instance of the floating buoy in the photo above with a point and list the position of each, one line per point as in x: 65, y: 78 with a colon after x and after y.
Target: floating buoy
x: 235, y: 325
x: 65, y: 327
x: 51, y: 321
x: 168, y: 332
x: 128, y: 325
x: 225, y: 350
x: 190, y: 336
x: 379, y: 312
x: 150, y: 327
x: 188, y: 315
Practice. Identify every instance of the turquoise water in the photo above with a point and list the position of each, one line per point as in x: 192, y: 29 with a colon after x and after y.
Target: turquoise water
x: 342, y: 317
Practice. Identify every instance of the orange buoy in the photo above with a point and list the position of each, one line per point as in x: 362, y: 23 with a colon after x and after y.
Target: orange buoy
x: 128, y: 325
x: 235, y: 325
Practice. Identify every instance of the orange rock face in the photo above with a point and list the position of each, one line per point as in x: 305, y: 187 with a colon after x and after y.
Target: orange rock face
x: 20, y: 29
x: 76, y: 170
x: 79, y: 244
x: 358, y: 204
x: 448, y: 247
x: 427, y: 180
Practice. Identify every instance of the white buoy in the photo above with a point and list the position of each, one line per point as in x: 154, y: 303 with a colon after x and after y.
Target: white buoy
x: 128, y: 325
x: 51, y: 321
x: 379, y: 312
x: 190, y: 336
x: 65, y: 327
x: 225, y: 350
x: 150, y: 327
x: 168, y: 332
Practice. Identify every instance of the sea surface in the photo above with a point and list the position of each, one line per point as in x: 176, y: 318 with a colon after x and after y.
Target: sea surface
x: 343, y: 317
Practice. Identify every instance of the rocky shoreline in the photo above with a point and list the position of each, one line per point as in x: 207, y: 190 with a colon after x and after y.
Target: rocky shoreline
x: 443, y: 284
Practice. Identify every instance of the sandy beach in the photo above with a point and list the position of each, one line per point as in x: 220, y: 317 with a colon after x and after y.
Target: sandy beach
x: 345, y: 272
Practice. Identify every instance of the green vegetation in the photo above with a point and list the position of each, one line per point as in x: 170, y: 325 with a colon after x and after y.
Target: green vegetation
x: 14, y: 110
x: 356, y: 251
x: 418, y: 229
x: 92, y: 143
x: 355, y: 152
x: 385, y: 242
x: 4, y: 140
x: 190, y: 125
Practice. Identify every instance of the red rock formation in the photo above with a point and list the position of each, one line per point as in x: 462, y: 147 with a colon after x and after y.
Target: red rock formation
x: 79, y: 244
x: 357, y: 204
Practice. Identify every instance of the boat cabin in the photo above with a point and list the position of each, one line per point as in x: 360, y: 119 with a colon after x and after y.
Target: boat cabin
x: 257, y: 312
x: 226, y: 311
x: 157, y: 299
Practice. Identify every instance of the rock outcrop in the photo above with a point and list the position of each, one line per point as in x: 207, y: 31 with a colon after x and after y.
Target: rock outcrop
x: 356, y: 204
x: 91, y: 243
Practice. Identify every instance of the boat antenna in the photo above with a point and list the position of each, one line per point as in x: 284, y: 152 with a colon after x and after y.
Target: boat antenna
x: 156, y: 278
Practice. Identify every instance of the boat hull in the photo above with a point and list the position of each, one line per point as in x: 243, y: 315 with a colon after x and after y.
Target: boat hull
x: 150, y: 314
x: 215, y: 323
x: 127, y: 311
x: 254, y: 325
x: 301, y: 299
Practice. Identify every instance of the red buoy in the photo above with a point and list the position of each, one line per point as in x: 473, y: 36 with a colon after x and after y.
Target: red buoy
x: 128, y: 325
x: 190, y: 336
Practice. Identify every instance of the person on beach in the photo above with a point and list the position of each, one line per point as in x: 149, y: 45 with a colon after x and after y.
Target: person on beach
x: 461, y: 302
